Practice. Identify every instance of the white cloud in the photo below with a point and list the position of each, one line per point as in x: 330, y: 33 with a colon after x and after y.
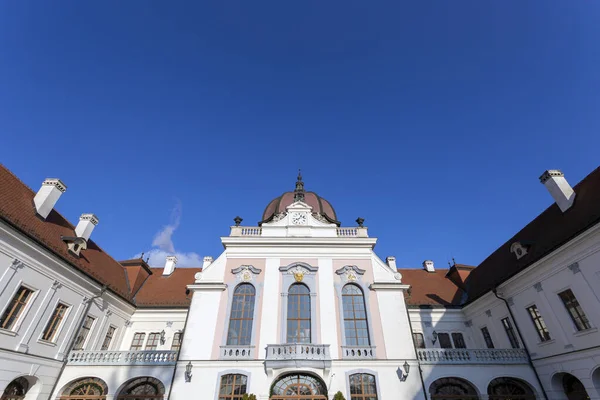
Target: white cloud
x: 163, y: 246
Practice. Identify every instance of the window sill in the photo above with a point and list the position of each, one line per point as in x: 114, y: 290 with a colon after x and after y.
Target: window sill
x: 47, y: 343
x: 546, y: 343
x: 585, y: 332
x: 7, y: 332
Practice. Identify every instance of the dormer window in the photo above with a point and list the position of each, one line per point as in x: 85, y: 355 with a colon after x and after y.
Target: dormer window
x: 518, y: 250
x: 75, y: 244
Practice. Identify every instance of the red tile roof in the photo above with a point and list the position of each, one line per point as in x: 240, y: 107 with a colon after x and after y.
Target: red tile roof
x: 18, y: 210
x: 430, y: 288
x: 548, y: 231
x: 166, y: 291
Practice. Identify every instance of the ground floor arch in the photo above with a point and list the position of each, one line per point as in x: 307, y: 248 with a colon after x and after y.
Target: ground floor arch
x: 452, y: 388
x: 20, y: 388
x: 142, y: 388
x: 569, y: 386
x: 508, y: 388
x: 298, y: 386
x: 89, y: 388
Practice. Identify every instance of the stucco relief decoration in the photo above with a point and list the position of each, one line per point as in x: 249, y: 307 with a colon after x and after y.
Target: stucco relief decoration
x: 299, y: 273
x: 350, y: 273
x: 279, y: 217
x: 198, y: 276
x: 245, y: 273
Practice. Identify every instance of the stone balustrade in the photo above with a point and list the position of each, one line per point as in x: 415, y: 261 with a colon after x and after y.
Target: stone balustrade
x: 142, y: 357
x: 237, y: 353
x: 358, y: 352
x: 472, y: 356
x: 298, y: 354
x: 358, y: 232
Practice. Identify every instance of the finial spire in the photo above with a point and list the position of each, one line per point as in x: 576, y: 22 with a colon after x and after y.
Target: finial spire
x: 299, y: 191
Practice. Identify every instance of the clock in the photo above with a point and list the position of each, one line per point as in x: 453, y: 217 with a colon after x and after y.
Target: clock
x: 298, y: 218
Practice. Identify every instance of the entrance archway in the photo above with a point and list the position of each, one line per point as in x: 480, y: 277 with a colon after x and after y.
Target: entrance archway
x: 509, y: 389
x: 85, y: 389
x: 573, y: 388
x: 142, y: 388
x: 298, y: 386
x: 452, y: 389
x: 16, y: 390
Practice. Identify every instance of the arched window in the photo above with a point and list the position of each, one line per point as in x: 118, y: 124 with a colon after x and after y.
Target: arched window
x: 16, y: 390
x: 452, y: 389
x: 242, y: 314
x: 298, y: 314
x: 85, y: 388
x: 355, y: 316
x: 574, y: 389
x: 233, y: 387
x: 363, y: 387
x: 143, y: 388
x: 509, y: 389
x: 298, y: 386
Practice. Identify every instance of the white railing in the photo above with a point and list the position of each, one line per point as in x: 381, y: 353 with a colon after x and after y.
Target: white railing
x: 298, y: 351
x: 237, y: 353
x: 358, y: 352
x: 347, y: 232
x: 472, y: 356
x: 143, y: 357
x: 251, y: 231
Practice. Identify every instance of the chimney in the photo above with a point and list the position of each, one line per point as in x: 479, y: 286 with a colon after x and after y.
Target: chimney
x: 87, y: 223
x: 207, y: 261
x: 559, y: 188
x: 391, y: 262
x: 48, y: 195
x: 428, y: 265
x: 170, y: 265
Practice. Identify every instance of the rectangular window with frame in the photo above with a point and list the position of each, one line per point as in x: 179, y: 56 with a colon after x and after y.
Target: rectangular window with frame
x: 138, y: 341
x: 176, y: 344
x: 538, y: 323
x: 459, y: 341
x: 53, y: 324
x: 574, y: 309
x: 152, y: 342
x: 419, y: 340
x: 15, y: 308
x: 444, y: 339
x: 487, y: 338
x: 510, y: 332
x: 110, y: 333
x: 84, y: 332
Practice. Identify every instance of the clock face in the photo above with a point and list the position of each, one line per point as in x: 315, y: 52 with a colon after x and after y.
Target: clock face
x: 298, y: 218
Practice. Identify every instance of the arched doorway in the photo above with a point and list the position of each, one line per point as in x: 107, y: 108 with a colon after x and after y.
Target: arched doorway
x: 16, y: 390
x: 85, y: 389
x: 452, y: 389
x: 573, y: 388
x: 298, y: 386
x: 142, y: 388
x: 509, y: 389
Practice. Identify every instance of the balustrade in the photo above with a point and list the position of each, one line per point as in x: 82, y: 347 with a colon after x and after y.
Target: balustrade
x: 237, y: 352
x: 358, y: 352
x: 472, y: 356
x: 142, y: 357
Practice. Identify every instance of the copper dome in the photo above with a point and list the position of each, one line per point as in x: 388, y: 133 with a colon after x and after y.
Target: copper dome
x: 319, y: 205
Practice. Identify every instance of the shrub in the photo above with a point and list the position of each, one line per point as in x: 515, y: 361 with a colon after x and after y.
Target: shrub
x: 248, y: 397
x: 339, y: 396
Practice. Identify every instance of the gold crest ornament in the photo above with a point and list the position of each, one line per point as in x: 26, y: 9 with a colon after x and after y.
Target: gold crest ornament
x: 351, y: 277
x: 299, y: 275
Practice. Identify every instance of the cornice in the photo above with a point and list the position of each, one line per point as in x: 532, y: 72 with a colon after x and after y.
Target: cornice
x: 258, y: 241
x: 388, y: 286
x: 207, y: 286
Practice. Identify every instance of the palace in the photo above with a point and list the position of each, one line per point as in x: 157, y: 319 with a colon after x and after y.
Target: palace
x: 298, y: 307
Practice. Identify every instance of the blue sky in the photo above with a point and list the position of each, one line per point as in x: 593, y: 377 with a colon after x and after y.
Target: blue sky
x: 432, y: 120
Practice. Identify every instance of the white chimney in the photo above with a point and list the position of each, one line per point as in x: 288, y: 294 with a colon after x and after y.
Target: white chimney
x: 87, y: 223
x: 559, y: 188
x: 428, y: 265
x: 170, y: 265
x: 391, y: 262
x: 48, y: 195
x: 207, y: 261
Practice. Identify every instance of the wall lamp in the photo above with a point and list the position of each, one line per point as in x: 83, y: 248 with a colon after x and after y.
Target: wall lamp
x: 188, y: 372
x: 403, y: 375
x: 162, y: 337
x: 434, y: 334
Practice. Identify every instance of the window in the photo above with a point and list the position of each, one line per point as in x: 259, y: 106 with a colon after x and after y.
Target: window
x: 459, y: 341
x: 176, y: 344
x: 108, y: 338
x: 355, y: 316
x: 242, y: 314
x: 510, y: 332
x: 233, y: 387
x: 538, y: 323
x: 54, y: 323
x: 419, y: 340
x: 15, y: 307
x: 152, y: 342
x: 84, y: 332
x: 363, y: 387
x: 575, y: 311
x: 486, y: 336
x: 444, y: 340
x: 298, y: 314
x: 138, y: 341
x: 143, y: 388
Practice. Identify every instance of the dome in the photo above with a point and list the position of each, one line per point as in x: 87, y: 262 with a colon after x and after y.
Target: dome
x: 319, y: 205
